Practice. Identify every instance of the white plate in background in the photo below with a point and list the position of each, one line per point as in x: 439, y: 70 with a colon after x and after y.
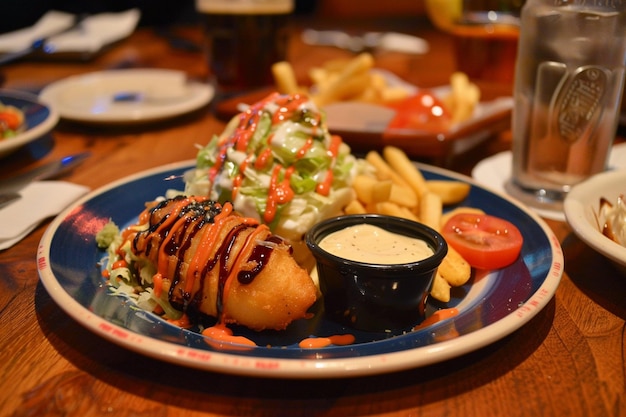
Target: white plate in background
x: 126, y: 96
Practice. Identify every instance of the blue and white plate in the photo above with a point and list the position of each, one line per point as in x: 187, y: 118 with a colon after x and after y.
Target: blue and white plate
x: 39, y: 119
x: 492, y: 305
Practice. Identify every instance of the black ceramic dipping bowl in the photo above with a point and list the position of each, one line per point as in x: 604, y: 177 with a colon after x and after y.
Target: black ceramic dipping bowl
x: 375, y: 297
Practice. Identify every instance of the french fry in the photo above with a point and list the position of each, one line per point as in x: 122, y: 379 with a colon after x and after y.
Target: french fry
x: 440, y: 289
x: 430, y: 209
x: 355, y: 207
x: 285, y: 78
x: 382, y: 191
x: 391, y: 209
x: 383, y: 170
x: 318, y: 76
x: 401, y: 163
x: 454, y: 269
x: 352, y: 79
x: 463, y: 98
x: 336, y: 65
x: 465, y: 108
x: 450, y: 192
x: 363, y: 186
x: 403, y: 196
x: 341, y: 89
x: 391, y: 94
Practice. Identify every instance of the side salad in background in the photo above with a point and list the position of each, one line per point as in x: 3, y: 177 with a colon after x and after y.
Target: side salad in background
x: 11, y: 121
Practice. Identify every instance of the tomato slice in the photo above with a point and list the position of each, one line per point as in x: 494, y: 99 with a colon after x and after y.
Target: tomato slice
x: 486, y: 242
x: 422, y: 111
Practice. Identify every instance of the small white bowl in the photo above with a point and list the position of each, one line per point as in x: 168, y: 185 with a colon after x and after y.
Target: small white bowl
x: 582, y: 205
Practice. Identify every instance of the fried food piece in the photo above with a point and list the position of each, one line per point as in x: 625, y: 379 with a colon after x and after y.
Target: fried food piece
x: 463, y: 98
x: 286, y: 82
x: 451, y: 192
x: 216, y: 262
x: 401, y: 163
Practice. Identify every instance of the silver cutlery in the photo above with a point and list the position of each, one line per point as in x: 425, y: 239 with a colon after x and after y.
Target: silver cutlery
x: 10, y: 187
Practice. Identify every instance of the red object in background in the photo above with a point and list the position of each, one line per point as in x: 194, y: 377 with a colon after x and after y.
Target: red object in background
x: 422, y: 111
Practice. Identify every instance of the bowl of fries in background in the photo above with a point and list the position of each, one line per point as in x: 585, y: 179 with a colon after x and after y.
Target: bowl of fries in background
x: 371, y: 108
x: 373, y: 294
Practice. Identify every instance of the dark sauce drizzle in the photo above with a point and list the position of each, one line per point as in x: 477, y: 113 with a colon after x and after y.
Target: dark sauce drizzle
x: 172, y: 225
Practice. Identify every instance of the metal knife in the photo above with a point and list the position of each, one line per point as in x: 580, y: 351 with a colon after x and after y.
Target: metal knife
x: 47, y: 171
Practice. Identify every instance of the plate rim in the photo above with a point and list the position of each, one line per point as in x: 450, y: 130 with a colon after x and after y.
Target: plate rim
x: 308, y: 368
x: 12, y: 144
x: 202, y: 94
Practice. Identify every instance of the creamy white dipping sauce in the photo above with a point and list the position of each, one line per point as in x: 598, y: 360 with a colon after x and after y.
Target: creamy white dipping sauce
x: 374, y: 245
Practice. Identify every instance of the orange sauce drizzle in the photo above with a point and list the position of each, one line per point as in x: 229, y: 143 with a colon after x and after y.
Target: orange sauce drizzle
x: 263, y: 158
x: 288, y: 105
x: 280, y: 191
x: 320, y: 342
x: 437, y: 316
x: 239, y: 178
x: 182, y: 322
x: 157, y: 279
x: 206, y: 246
x: 307, y: 145
x: 119, y: 264
x: 221, y: 333
x: 162, y: 258
x: 333, y: 147
x: 324, y: 187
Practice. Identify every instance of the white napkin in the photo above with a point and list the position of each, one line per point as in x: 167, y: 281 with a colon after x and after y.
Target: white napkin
x: 90, y: 36
x: 39, y: 201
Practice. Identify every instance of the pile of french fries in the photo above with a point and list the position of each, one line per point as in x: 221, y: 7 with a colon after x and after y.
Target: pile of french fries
x: 354, y: 80
x: 397, y: 188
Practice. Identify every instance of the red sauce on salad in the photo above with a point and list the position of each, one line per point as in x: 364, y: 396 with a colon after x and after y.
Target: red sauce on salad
x: 289, y: 107
x: 280, y: 191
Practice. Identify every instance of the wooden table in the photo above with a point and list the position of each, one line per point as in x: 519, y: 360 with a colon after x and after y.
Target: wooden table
x: 569, y: 360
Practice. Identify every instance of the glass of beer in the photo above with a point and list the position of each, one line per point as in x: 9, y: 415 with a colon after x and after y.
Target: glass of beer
x: 485, y: 35
x: 243, y: 39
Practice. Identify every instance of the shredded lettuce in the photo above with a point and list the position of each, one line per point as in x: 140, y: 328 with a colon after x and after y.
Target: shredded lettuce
x: 135, y: 279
